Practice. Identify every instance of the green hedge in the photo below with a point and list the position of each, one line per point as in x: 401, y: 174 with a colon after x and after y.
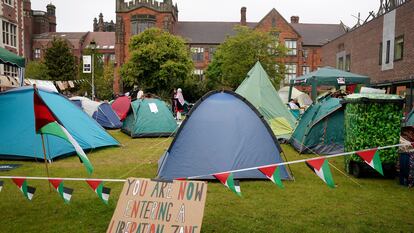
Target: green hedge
x: 370, y: 125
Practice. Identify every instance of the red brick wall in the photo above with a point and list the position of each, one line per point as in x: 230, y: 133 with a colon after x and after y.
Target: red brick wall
x: 15, y: 15
x: 363, y: 45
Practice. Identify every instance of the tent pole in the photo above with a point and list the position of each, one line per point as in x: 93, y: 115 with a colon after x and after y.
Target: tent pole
x: 44, y: 156
x: 290, y: 170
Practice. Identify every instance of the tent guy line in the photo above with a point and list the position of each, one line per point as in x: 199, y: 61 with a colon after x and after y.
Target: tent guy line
x: 196, y: 177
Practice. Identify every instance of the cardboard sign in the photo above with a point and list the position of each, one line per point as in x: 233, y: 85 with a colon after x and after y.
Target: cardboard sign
x: 159, y: 207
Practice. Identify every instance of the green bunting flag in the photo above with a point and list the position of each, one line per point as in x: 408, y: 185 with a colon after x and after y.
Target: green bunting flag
x: 1, y: 185
x: 65, y: 193
x: 47, y: 123
x: 273, y: 173
x: 27, y: 191
x: 227, y: 180
x: 321, y: 169
x: 372, y: 158
x: 100, y: 190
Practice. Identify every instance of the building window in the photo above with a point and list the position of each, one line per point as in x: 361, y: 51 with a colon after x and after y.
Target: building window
x: 10, y: 71
x: 305, y: 70
x: 37, y: 53
x: 140, y: 23
x: 197, y: 54
x: 9, y: 34
x: 399, y: 48
x: 380, y: 54
x: 387, y: 58
x: 290, y: 72
x: 292, y: 46
x: 305, y: 53
x: 348, y: 63
x: 199, y: 73
x: 211, y: 52
x: 340, y: 63
x: 9, y: 2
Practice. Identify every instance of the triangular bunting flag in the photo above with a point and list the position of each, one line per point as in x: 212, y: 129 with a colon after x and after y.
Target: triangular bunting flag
x: 65, y: 193
x: 1, y: 185
x: 227, y: 180
x: 273, y: 174
x: 47, y: 123
x: 100, y: 190
x: 181, y: 179
x: 321, y: 168
x: 372, y: 158
x: 27, y: 191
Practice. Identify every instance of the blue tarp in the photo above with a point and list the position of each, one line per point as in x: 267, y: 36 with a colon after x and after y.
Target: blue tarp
x: 222, y: 132
x: 17, y: 134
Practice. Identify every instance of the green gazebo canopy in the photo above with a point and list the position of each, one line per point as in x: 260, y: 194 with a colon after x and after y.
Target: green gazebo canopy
x: 9, y: 58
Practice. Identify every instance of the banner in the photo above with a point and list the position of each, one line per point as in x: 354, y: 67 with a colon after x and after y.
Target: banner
x: 87, y: 64
x: 158, y: 206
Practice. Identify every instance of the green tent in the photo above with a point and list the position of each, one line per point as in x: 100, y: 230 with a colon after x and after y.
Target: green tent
x: 328, y: 76
x: 321, y: 128
x: 149, y: 118
x: 9, y: 58
x: 259, y: 91
x: 410, y: 119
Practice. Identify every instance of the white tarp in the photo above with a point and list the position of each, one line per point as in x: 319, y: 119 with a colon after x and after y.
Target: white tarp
x: 368, y: 90
x: 303, y: 98
x: 88, y: 105
x: 44, y: 84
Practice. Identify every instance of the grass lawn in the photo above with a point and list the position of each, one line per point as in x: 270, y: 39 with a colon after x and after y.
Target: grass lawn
x: 305, y: 205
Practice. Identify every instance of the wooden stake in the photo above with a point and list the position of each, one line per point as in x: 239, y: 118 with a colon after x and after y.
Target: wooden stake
x: 45, y: 158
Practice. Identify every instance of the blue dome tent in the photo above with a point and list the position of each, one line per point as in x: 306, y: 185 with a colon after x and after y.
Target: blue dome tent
x: 222, y: 132
x: 19, y: 139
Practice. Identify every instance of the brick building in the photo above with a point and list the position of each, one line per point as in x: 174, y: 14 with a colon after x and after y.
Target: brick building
x: 304, y: 40
x: 382, y: 48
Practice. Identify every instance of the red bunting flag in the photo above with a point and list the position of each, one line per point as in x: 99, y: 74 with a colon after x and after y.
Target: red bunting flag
x: 372, y: 158
x: 64, y: 192
x: 273, y: 173
x: 229, y: 182
x: 100, y: 190
x: 321, y: 169
x: 27, y: 191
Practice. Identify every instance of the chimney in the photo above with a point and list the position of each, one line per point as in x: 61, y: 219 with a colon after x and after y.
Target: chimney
x: 243, y: 16
x: 294, y: 19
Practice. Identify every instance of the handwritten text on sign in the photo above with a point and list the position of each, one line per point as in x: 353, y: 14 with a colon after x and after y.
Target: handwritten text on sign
x: 147, y: 206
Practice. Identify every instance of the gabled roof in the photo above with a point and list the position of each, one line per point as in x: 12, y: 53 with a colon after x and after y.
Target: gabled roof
x: 274, y: 11
x: 318, y: 34
x: 63, y: 35
x: 207, y: 32
x: 104, y: 40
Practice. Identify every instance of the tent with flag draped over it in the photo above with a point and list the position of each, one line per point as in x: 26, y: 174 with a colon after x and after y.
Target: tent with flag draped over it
x: 223, y: 132
x: 259, y: 91
x: 18, y: 134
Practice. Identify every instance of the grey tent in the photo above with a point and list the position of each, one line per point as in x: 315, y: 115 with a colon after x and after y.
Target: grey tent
x: 222, y: 132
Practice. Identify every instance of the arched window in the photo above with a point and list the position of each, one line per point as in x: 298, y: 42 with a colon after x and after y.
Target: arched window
x: 140, y: 23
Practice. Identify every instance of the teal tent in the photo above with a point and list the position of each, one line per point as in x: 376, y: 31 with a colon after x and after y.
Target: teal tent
x: 410, y: 118
x: 11, y: 59
x: 149, y: 118
x: 259, y: 91
x: 19, y: 139
x: 327, y: 76
x: 321, y: 128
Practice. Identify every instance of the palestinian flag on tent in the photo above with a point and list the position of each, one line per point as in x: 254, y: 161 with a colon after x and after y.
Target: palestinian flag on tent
x: 48, y: 123
x: 1, y: 185
x: 372, y: 158
x: 100, y: 190
x: 27, y: 191
x: 273, y: 174
x: 321, y: 168
x: 227, y: 180
x: 64, y: 192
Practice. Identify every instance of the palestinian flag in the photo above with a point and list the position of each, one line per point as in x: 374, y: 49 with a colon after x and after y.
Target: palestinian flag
x: 227, y: 180
x: 372, y: 158
x: 273, y: 173
x: 48, y: 123
x: 100, y: 190
x: 1, y: 185
x: 321, y: 168
x: 27, y: 191
x: 65, y: 193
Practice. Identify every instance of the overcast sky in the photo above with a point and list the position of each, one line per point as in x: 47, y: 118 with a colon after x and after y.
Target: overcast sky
x: 77, y: 15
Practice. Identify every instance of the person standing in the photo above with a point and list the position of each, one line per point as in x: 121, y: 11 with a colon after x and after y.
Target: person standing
x: 180, y: 103
x: 174, y: 103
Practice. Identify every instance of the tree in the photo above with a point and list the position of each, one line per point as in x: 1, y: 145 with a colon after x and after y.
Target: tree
x: 36, y: 70
x: 238, y: 54
x: 104, y: 84
x: 158, y: 62
x: 59, y: 60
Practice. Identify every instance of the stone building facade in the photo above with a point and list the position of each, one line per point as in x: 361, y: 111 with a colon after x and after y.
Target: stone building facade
x: 382, y: 48
x: 303, y: 40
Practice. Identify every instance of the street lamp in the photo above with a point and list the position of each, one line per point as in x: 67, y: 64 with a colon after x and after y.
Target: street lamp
x: 92, y: 46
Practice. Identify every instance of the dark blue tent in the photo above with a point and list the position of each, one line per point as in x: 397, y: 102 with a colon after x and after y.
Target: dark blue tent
x: 18, y: 139
x: 100, y: 111
x: 222, y: 132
